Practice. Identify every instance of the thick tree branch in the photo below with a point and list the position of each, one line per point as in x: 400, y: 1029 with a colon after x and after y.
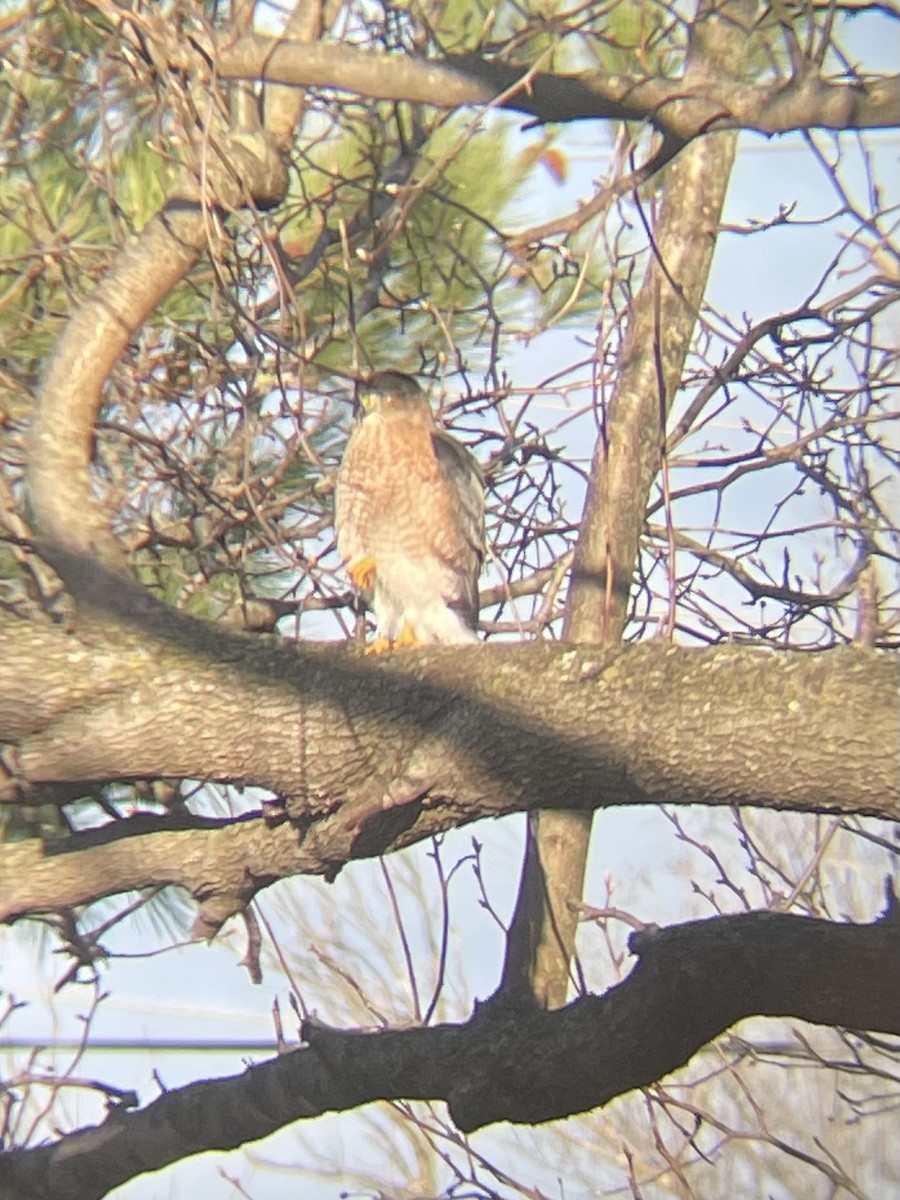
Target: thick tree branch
x: 370, y: 756
x: 687, y: 107
x: 96, y: 335
x: 684, y: 108
x: 692, y: 982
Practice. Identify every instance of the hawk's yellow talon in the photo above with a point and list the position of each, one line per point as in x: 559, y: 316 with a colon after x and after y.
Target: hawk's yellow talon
x: 407, y: 638
x: 380, y: 646
x: 362, y: 574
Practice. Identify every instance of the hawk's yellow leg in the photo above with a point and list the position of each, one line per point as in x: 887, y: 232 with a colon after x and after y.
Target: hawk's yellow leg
x: 407, y: 638
x: 362, y: 573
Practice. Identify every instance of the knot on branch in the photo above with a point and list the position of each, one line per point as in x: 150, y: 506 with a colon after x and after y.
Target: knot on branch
x: 242, y: 169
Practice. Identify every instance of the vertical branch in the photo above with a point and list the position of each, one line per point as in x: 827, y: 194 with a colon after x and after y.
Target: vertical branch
x: 627, y: 459
x: 284, y: 106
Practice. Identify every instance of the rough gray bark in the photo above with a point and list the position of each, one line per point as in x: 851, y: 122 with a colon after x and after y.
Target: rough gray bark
x: 372, y: 755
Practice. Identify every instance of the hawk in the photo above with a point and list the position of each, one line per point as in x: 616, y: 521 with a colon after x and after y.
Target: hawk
x: 409, y: 518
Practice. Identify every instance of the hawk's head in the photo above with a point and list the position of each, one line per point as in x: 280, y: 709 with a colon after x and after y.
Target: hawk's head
x: 392, y: 392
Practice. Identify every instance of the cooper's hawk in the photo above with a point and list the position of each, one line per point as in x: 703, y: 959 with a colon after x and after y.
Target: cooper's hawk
x: 409, y: 516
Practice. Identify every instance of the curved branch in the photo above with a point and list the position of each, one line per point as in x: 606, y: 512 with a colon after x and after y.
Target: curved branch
x: 146, y: 269
x: 508, y: 1064
x: 68, y: 511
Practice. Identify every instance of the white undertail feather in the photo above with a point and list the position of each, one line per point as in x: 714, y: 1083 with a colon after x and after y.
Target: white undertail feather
x: 419, y: 597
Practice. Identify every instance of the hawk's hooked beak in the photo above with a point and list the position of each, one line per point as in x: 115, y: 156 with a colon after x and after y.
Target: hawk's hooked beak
x: 366, y: 399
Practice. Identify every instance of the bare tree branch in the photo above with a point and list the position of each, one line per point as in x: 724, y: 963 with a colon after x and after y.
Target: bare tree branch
x: 369, y: 756
x: 683, y: 108
x: 692, y: 982
x: 626, y: 461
